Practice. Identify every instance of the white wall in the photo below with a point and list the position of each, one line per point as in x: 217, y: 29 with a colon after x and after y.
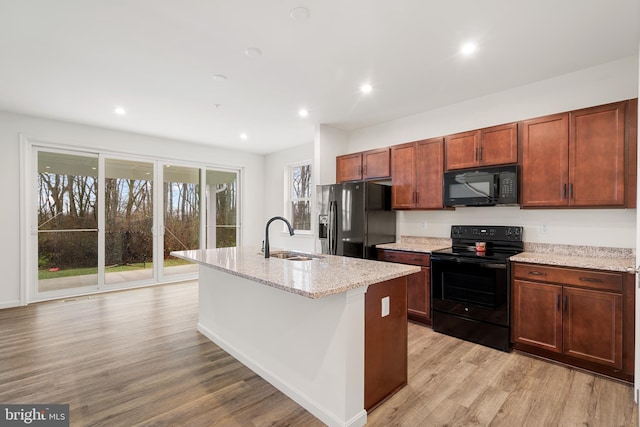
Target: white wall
x: 276, y: 165
x: 602, y: 84
x: 329, y: 142
x: 81, y: 136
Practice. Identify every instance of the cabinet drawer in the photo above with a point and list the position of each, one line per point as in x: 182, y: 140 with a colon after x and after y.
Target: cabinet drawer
x: 411, y: 258
x: 610, y: 281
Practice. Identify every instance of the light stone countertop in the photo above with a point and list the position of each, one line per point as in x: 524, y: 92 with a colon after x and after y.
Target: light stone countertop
x: 594, y: 257
x: 315, y: 278
x: 417, y: 244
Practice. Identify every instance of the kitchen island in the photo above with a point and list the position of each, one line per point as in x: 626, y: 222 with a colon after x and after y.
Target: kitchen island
x: 330, y: 332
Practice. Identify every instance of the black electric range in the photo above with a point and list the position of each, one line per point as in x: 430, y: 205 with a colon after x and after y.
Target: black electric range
x: 470, y: 292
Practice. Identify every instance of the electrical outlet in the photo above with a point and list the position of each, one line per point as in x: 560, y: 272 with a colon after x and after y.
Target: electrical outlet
x: 544, y: 228
x: 385, y: 306
x: 424, y: 225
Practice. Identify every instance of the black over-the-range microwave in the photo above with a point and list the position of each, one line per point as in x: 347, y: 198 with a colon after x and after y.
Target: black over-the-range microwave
x: 481, y: 187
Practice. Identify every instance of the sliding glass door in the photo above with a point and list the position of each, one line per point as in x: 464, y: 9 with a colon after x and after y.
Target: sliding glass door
x: 128, y: 212
x: 103, y: 222
x: 181, y: 198
x: 67, y: 221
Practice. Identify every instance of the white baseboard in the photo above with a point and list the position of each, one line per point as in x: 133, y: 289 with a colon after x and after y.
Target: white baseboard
x: 10, y: 304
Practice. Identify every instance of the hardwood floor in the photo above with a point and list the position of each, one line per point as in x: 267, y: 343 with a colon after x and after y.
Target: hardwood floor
x: 135, y: 358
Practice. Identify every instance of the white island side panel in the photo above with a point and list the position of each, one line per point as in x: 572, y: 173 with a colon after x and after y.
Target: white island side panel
x: 310, y: 349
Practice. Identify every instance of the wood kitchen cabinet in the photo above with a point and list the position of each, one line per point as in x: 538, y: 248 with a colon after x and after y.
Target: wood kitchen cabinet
x: 576, y: 316
x: 372, y: 164
x: 495, y: 145
x: 416, y: 174
x: 575, y: 159
x: 418, y: 284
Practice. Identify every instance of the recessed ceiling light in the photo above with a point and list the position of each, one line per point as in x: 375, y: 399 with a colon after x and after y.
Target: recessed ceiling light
x: 219, y: 77
x: 243, y: 136
x: 120, y: 111
x: 300, y: 14
x: 468, y: 48
x: 303, y: 112
x: 252, y: 52
x: 366, y: 88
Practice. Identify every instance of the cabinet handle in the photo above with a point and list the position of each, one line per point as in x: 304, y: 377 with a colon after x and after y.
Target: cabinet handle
x: 571, y: 191
x: 590, y: 279
x: 558, y: 302
x: 359, y: 170
x: 566, y: 302
x: 480, y: 153
x: 364, y: 170
x: 475, y: 155
x: 537, y: 273
x: 564, y: 191
x: 417, y: 197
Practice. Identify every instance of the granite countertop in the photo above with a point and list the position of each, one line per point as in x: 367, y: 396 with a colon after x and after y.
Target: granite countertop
x: 316, y: 278
x: 594, y: 257
x: 417, y: 244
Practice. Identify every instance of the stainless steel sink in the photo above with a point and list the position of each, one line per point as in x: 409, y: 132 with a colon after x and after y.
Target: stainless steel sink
x: 293, y: 256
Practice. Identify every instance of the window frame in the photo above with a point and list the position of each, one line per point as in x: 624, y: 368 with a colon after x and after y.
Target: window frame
x: 289, y: 196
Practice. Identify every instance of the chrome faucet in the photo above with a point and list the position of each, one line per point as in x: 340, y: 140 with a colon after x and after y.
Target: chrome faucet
x: 266, y: 233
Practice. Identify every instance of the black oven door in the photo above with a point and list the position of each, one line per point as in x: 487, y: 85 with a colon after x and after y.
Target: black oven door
x: 470, y: 288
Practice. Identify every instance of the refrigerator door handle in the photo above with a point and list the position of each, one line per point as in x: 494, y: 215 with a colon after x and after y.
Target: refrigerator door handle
x: 334, y: 232
x: 330, y: 230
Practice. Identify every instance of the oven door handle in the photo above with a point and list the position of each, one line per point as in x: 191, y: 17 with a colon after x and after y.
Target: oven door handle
x: 460, y: 260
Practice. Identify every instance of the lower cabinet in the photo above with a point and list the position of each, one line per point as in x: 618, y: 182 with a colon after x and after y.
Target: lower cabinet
x: 418, y: 284
x: 576, y: 316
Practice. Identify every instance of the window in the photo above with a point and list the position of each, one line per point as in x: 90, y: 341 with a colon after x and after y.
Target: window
x: 299, y: 205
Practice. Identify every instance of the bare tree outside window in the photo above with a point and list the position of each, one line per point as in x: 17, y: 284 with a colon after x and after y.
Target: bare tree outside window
x: 300, y: 197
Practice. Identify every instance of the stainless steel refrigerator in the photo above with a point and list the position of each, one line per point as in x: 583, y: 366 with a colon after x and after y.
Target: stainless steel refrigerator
x: 353, y: 217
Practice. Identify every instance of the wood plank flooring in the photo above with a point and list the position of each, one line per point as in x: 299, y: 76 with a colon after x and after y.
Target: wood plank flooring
x: 135, y: 358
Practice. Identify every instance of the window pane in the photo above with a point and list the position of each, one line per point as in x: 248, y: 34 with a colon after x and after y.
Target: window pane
x: 181, y: 189
x: 300, y: 194
x: 128, y: 221
x: 301, y: 215
x: 67, y: 221
x: 301, y: 182
x: 222, y: 197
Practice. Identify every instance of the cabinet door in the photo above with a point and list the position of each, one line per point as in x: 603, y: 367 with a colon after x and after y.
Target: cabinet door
x: 593, y: 326
x: 537, y: 315
x: 349, y: 167
x: 499, y: 145
x: 545, y: 161
x: 462, y: 150
x: 596, y: 153
x: 403, y: 175
x: 376, y: 164
x: 418, y: 295
x: 429, y: 157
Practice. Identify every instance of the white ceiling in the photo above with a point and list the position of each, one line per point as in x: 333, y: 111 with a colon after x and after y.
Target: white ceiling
x: 76, y: 60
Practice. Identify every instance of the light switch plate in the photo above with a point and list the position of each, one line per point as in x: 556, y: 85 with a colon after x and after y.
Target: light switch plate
x: 385, y: 306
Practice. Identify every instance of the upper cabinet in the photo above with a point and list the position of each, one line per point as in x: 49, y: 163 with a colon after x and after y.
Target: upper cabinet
x: 416, y: 174
x: 575, y: 159
x: 496, y: 145
x: 372, y: 164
